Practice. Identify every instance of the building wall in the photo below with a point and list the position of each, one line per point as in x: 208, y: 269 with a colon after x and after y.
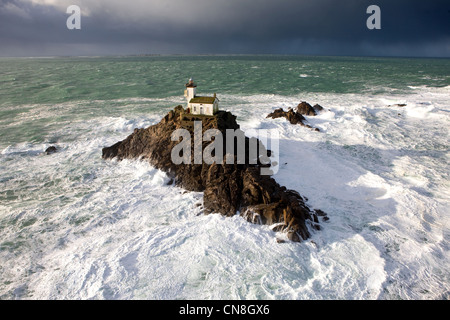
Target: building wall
x: 208, y: 109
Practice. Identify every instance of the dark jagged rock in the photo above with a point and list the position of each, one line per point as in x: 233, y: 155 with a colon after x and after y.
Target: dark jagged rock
x: 294, y: 117
x: 50, y: 150
x: 317, y: 108
x: 306, y: 109
x: 290, y: 115
x: 227, y: 188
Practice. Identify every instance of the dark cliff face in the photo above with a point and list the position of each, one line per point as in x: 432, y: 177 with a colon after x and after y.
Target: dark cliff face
x: 228, y: 188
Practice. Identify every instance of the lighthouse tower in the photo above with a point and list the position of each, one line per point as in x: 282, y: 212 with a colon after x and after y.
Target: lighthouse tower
x: 191, y: 90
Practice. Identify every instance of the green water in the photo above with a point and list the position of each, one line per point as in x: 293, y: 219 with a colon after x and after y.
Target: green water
x: 57, y: 80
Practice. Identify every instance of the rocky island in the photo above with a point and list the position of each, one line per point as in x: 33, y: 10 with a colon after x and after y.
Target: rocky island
x: 297, y: 117
x: 227, y: 189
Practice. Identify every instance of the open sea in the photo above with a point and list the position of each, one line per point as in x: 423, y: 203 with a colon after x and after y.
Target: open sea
x: 74, y: 226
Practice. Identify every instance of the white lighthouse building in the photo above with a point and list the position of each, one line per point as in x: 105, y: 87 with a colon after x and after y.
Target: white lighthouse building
x: 199, y: 104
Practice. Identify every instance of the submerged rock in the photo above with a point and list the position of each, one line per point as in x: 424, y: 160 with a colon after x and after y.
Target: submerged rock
x: 397, y: 105
x: 50, y: 150
x: 227, y: 188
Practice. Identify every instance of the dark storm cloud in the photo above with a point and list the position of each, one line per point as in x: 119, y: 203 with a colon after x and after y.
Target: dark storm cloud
x: 418, y: 28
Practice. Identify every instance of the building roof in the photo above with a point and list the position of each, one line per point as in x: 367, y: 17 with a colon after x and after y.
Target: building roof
x: 190, y: 85
x: 206, y: 100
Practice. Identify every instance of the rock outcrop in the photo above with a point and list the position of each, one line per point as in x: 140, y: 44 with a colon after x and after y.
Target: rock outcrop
x: 317, y: 108
x: 297, y: 117
x: 227, y: 188
x: 294, y: 117
x: 50, y: 150
x: 306, y: 109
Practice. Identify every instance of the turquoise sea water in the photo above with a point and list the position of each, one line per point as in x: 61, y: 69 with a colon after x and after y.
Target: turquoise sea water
x: 75, y: 226
x: 56, y: 80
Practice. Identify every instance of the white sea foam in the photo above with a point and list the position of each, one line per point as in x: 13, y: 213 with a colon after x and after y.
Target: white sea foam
x: 75, y: 226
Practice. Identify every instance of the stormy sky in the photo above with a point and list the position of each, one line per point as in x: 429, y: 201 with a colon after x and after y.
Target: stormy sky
x: 314, y: 27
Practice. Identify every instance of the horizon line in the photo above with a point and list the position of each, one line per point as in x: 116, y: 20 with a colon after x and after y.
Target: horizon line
x: 222, y: 54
